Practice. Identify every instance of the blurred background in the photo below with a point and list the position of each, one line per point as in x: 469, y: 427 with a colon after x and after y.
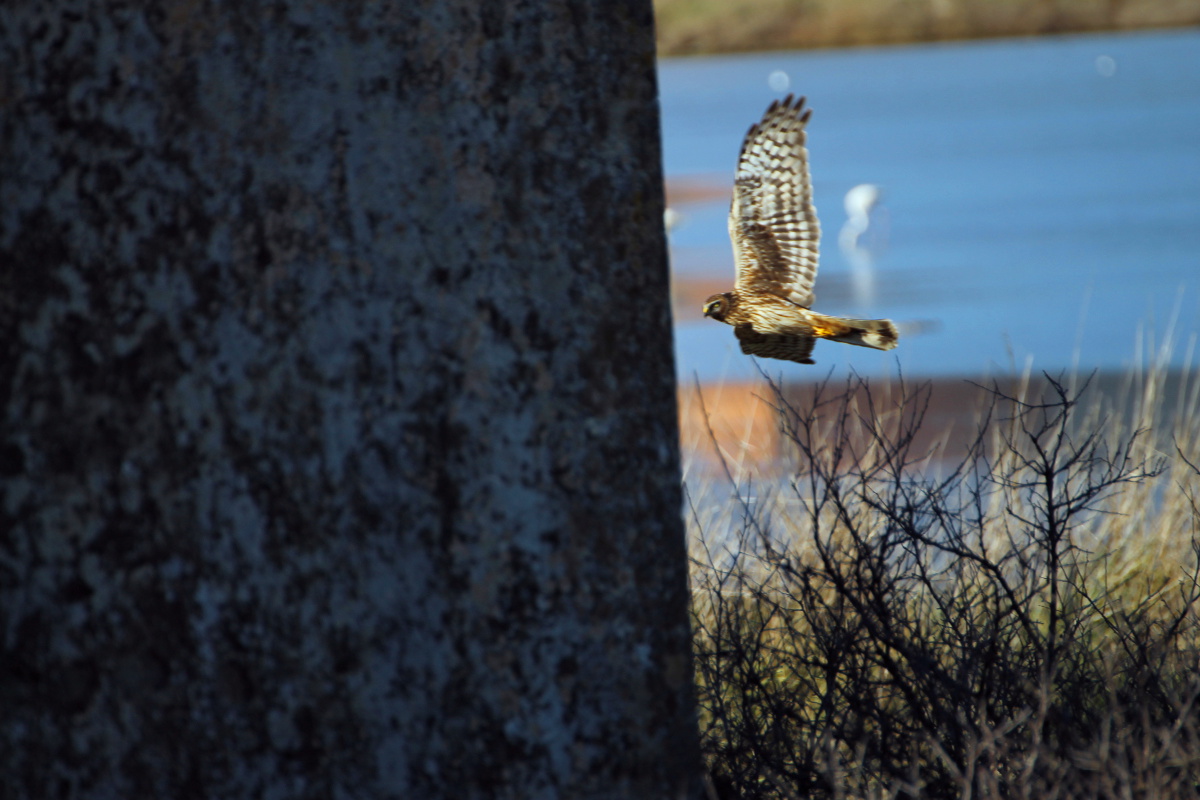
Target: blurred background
x: 1029, y: 202
x: 714, y: 26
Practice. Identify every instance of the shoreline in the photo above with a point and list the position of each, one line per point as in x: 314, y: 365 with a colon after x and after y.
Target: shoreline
x: 746, y: 427
x: 697, y: 27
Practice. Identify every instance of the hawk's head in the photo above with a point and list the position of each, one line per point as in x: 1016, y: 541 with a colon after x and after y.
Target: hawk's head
x: 718, y: 306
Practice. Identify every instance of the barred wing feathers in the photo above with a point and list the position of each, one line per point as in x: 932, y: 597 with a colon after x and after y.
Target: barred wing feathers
x: 772, y: 222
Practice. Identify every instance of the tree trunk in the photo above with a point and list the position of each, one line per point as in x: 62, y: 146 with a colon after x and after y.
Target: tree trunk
x: 338, y: 455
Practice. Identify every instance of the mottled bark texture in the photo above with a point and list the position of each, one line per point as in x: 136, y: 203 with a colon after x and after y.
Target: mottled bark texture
x: 338, y: 445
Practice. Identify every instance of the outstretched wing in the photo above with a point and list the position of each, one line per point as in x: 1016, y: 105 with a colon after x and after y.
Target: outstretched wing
x: 772, y: 221
x: 787, y: 347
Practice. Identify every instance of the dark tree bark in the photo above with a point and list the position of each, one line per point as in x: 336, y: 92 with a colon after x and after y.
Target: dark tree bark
x: 338, y: 454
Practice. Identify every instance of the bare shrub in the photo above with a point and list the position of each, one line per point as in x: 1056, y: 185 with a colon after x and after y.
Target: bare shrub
x: 1017, y: 622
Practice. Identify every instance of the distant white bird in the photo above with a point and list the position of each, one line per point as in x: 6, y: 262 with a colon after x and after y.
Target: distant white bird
x: 859, y: 202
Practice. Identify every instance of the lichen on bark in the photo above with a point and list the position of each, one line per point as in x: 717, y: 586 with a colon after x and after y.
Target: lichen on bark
x: 338, y: 448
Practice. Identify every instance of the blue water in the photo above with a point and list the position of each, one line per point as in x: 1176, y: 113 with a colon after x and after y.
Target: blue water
x: 1041, y: 197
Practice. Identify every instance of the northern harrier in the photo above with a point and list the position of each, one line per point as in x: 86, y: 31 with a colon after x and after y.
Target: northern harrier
x: 775, y: 232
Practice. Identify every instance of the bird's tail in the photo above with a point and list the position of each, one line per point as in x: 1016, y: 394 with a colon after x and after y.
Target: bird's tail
x: 880, y: 334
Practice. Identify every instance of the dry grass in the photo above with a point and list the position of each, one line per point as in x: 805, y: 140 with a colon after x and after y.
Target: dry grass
x: 708, y: 26
x: 1010, y: 614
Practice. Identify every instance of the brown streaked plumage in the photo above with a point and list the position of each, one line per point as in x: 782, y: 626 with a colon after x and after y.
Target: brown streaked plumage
x: 775, y: 234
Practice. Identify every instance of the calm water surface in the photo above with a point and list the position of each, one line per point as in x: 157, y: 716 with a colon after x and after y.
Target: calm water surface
x: 1041, y: 197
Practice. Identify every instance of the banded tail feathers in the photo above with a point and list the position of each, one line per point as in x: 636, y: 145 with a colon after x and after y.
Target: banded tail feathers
x: 880, y: 334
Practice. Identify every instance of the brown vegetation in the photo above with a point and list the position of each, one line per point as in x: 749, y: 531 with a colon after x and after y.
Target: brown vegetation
x: 739, y: 421
x: 706, y: 26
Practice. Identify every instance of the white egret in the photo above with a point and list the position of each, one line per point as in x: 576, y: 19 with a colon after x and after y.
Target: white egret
x: 859, y: 203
